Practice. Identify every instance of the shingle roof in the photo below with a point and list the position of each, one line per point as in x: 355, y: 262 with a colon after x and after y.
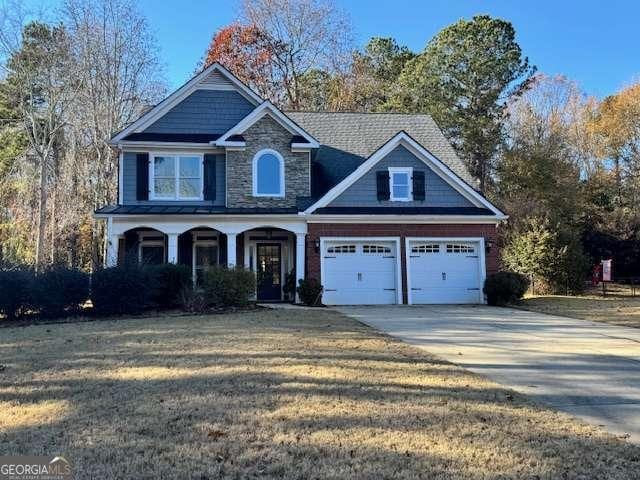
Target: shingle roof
x: 347, y: 139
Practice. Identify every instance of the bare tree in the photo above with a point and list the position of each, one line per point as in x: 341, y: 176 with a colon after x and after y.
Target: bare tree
x: 43, y: 83
x: 121, y: 75
x: 302, y: 35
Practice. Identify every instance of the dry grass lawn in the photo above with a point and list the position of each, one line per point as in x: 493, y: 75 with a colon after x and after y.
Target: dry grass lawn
x: 276, y: 394
x: 617, y: 310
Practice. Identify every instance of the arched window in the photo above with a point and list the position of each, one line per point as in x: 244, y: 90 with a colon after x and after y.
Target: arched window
x: 268, y: 174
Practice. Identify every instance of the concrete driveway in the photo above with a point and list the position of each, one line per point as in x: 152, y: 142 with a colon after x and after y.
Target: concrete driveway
x: 590, y: 370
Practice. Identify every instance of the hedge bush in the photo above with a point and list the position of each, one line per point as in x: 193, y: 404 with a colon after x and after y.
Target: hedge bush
x: 16, y: 285
x: 120, y: 290
x: 167, y: 282
x: 229, y: 287
x: 505, y: 287
x: 59, y: 290
x: 310, y: 292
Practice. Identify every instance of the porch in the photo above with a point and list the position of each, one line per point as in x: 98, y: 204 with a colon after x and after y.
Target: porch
x: 272, y: 250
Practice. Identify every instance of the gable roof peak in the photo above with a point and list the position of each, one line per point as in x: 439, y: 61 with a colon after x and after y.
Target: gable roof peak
x: 197, y: 82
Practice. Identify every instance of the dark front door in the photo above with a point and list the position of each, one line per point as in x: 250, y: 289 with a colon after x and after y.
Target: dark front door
x: 268, y: 269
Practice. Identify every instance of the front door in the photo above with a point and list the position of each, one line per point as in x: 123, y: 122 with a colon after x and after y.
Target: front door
x: 269, y: 271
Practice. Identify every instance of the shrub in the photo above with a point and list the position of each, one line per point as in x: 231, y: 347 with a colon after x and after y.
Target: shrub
x: 310, y: 292
x: 167, y: 282
x: 551, y: 256
x: 229, y: 287
x: 122, y: 289
x: 16, y: 284
x: 505, y: 287
x: 289, y: 287
x: 59, y: 290
x: 193, y: 300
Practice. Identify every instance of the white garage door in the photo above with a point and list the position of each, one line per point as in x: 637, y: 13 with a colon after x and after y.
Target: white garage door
x: 359, y: 273
x: 444, y: 272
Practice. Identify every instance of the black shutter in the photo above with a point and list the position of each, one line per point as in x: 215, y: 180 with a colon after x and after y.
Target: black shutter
x: 418, y: 186
x: 209, y: 177
x: 142, y: 176
x: 185, y: 249
x: 382, y: 180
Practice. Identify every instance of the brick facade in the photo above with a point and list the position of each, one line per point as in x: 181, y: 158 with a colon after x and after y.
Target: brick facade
x: 317, y: 230
x: 266, y: 133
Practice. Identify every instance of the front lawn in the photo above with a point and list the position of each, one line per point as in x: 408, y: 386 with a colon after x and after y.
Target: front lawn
x: 617, y: 310
x: 275, y: 394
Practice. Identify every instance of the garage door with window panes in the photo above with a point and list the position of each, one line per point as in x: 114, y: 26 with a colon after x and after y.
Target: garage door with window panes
x: 444, y: 272
x: 359, y: 273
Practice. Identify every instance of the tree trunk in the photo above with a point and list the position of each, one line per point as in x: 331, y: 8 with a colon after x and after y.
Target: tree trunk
x: 42, y: 214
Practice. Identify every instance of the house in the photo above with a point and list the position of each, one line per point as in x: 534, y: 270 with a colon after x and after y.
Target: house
x: 378, y: 207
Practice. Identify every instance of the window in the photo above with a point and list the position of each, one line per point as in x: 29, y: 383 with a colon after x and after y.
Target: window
x: 342, y: 249
x: 459, y: 248
x: 205, y: 254
x: 151, y: 249
x: 400, y: 184
x: 176, y: 177
x: 427, y: 248
x: 268, y: 174
x: 375, y: 249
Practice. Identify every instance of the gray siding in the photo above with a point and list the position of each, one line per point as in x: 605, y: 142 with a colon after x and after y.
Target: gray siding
x: 204, y: 111
x: 129, y: 184
x: 363, y: 193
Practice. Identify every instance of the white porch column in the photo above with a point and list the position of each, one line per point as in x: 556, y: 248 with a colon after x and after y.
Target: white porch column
x: 111, y: 255
x: 112, y: 251
x: 231, y: 249
x: 172, y: 247
x: 300, y: 255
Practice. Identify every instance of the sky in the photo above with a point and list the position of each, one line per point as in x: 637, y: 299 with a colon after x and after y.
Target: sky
x: 593, y: 42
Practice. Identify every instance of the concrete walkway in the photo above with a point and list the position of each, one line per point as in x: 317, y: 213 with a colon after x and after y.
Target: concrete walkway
x: 587, y: 369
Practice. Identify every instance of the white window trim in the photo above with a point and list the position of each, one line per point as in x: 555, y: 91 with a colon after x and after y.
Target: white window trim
x: 256, y: 157
x: 409, y: 172
x: 175, y: 155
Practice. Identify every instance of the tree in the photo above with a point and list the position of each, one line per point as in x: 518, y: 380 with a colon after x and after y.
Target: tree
x: 42, y: 83
x: 539, y: 169
x: 300, y: 35
x: 618, y: 123
x: 120, y: 75
x: 245, y: 51
x: 373, y: 74
x: 463, y: 79
x: 553, y: 260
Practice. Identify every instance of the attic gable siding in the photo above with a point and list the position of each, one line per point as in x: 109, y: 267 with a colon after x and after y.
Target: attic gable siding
x: 363, y: 192
x: 204, y: 111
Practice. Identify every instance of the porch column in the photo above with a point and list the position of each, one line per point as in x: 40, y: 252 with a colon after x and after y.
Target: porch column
x: 172, y: 247
x: 231, y: 249
x: 112, y: 251
x: 300, y: 254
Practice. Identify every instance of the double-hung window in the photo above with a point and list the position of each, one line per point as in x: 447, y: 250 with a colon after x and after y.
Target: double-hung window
x: 176, y: 177
x: 400, y: 184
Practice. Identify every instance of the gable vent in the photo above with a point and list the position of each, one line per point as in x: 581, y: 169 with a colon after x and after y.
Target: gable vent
x: 216, y: 80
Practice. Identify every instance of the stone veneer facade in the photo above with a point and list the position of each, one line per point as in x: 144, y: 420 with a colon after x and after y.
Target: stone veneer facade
x: 266, y: 133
